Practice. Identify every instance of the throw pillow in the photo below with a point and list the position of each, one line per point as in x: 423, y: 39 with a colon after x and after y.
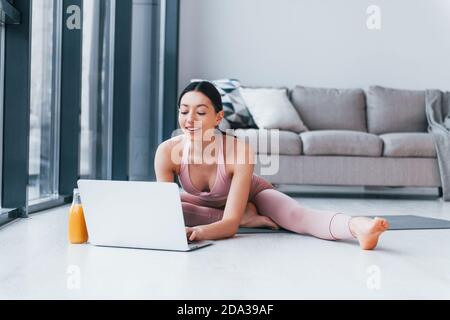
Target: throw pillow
x: 236, y: 112
x: 330, y: 108
x: 392, y: 110
x: 272, y: 109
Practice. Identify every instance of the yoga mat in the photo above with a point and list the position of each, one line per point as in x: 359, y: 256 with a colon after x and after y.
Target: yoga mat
x: 407, y: 222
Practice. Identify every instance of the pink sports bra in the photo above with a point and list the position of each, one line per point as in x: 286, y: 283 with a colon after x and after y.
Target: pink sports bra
x: 221, y: 187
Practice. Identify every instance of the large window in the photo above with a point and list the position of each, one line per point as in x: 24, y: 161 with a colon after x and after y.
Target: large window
x: 66, y: 73
x: 44, y: 100
x: 96, y: 90
x: 146, y: 89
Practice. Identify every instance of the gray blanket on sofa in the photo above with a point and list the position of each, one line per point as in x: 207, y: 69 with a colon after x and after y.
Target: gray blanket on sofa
x: 437, y: 106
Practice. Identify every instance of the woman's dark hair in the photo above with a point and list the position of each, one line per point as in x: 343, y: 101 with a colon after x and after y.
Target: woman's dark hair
x: 208, y: 89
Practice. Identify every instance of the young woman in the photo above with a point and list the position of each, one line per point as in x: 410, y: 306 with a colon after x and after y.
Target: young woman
x: 221, y: 192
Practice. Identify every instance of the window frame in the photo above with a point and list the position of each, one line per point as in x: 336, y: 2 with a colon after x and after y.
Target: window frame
x: 169, y: 109
x: 71, y: 55
x: 6, y: 215
x: 16, y: 115
x: 122, y: 89
x: 2, y: 84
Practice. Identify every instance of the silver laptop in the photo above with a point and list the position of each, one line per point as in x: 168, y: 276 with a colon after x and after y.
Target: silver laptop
x: 129, y: 214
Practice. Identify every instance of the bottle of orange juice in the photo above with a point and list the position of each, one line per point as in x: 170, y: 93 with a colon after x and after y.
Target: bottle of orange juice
x: 77, y: 225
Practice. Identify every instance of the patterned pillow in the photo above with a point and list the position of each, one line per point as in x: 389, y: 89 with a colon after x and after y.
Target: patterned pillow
x: 236, y: 112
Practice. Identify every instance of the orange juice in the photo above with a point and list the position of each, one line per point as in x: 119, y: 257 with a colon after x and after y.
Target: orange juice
x: 77, y: 225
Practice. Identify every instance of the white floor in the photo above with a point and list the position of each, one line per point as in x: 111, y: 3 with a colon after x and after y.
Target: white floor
x: 36, y: 262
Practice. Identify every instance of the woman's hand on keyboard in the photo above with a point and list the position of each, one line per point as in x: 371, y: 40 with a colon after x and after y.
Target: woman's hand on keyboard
x: 195, y: 233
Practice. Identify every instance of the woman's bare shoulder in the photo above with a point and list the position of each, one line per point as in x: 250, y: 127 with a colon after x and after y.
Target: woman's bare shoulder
x: 167, y: 158
x: 170, y: 149
x: 171, y: 143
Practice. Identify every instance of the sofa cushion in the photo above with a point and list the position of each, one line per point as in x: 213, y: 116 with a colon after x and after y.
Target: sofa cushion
x: 272, y: 109
x: 330, y: 109
x: 271, y: 141
x: 393, y: 110
x: 341, y: 142
x: 419, y: 145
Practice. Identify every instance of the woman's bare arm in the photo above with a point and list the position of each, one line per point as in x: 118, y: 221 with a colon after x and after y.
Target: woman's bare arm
x: 164, y: 166
x: 236, y: 202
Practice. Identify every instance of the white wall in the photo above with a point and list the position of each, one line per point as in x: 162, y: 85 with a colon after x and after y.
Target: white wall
x: 316, y: 42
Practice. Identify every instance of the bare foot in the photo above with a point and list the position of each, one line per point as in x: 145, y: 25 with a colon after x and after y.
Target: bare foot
x: 252, y: 219
x: 367, y: 230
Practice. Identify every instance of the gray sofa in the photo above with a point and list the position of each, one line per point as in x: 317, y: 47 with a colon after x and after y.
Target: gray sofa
x: 355, y: 138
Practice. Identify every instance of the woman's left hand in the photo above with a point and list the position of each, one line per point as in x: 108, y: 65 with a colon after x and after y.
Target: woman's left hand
x: 195, y: 233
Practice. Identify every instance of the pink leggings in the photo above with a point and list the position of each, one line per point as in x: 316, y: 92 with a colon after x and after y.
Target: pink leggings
x: 284, y: 211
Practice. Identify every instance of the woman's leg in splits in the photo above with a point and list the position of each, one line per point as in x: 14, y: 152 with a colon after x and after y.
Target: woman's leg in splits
x: 290, y: 215
x: 197, y: 212
x: 195, y: 215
